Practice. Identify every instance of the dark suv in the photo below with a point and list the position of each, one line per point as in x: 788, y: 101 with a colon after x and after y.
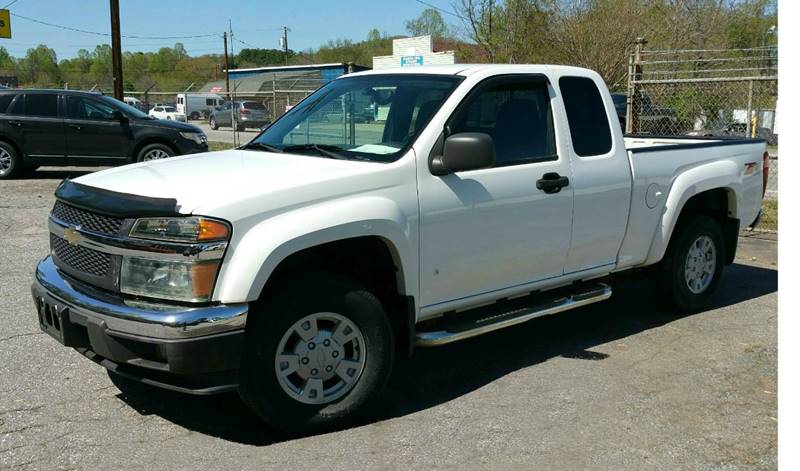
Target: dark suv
x: 65, y: 127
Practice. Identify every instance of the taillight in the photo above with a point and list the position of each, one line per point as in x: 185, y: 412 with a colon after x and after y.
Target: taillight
x: 245, y: 111
x: 765, y: 172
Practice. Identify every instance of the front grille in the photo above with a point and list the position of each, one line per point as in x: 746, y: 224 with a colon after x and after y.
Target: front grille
x: 86, y: 219
x: 80, y: 258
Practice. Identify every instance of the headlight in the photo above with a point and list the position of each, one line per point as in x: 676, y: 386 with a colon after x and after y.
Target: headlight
x: 197, y: 137
x: 180, y: 229
x: 177, y: 281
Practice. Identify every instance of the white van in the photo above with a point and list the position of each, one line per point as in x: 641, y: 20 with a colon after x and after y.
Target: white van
x: 197, y: 105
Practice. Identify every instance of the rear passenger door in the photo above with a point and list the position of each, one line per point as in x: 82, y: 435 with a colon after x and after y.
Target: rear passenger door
x: 34, y: 119
x: 601, y: 173
x: 482, y: 231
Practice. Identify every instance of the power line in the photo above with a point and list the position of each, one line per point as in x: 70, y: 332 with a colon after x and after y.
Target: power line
x: 9, y: 4
x: 97, y: 33
x: 448, y: 12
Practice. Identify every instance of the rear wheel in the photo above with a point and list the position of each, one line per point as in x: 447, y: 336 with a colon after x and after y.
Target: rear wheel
x: 194, y: 116
x: 313, y: 363
x: 240, y: 127
x: 10, y: 161
x: 212, y: 123
x: 692, y: 267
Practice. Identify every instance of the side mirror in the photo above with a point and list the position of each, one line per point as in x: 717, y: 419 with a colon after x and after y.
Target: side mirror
x: 464, y: 151
x: 117, y: 115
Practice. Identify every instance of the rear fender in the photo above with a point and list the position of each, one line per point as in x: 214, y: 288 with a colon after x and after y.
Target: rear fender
x: 718, y: 174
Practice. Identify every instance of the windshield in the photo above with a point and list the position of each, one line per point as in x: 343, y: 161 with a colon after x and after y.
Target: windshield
x: 252, y: 105
x: 126, y: 108
x: 371, y: 117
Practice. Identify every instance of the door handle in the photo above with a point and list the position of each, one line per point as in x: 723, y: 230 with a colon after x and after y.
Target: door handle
x: 75, y: 126
x: 15, y: 123
x: 552, y: 182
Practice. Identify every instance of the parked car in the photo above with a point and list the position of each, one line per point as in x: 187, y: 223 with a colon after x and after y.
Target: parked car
x: 737, y: 129
x: 247, y: 114
x: 197, y: 105
x: 65, y: 127
x: 652, y: 119
x: 295, y: 269
x: 167, y: 112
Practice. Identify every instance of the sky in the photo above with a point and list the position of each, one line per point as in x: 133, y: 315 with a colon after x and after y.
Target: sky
x: 257, y: 23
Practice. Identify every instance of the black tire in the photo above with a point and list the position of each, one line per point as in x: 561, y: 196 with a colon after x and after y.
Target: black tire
x: 273, y: 316
x: 10, y: 162
x: 240, y: 127
x: 194, y: 116
x: 668, y: 282
x: 212, y: 123
x: 142, y: 155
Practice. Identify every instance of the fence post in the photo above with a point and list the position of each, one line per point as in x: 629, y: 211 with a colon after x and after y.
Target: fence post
x: 750, y: 129
x: 634, y: 75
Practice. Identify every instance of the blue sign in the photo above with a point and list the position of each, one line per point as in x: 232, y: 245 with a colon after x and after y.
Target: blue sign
x: 410, y: 61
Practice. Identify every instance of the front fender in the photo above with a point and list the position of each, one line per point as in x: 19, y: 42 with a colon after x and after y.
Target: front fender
x: 709, y: 176
x: 259, y: 251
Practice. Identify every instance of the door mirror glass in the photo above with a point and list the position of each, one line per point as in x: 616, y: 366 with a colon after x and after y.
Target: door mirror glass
x: 464, y: 151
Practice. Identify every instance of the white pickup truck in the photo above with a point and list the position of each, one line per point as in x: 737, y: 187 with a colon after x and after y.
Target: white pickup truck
x: 296, y: 268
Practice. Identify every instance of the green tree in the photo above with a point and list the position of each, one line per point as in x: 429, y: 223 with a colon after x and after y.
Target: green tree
x: 39, y: 68
x: 429, y: 22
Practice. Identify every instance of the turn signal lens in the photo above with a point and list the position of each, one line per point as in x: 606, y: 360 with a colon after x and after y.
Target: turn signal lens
x: 213, y: 230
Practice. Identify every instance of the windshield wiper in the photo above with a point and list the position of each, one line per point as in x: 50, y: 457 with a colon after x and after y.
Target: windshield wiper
x: 322, y: 149
x: 261, y: 146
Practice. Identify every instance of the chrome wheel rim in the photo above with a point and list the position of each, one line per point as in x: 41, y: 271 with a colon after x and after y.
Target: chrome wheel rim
x: 5, y: 161
x: 320, y: 358
x: 155, y: 154
x: 701, y: 263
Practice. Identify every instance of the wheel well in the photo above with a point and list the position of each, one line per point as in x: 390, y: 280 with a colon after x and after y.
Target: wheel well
x: 720, y: 204
x: 370, y: 261
x: 147, y: 142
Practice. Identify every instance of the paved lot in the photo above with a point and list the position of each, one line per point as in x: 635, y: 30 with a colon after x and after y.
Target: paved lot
x: 617, y: 385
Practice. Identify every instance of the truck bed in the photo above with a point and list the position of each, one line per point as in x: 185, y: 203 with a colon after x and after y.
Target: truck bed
x: 660, y: 166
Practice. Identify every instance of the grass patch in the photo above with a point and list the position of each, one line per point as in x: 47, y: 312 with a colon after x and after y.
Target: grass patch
x: 769, y: 215
x: 218, y: 145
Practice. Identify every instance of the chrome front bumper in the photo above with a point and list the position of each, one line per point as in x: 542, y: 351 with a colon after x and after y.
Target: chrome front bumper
x: 159, y: 321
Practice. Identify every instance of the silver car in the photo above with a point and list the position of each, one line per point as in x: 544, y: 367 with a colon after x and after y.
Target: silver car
x: 247, y: 114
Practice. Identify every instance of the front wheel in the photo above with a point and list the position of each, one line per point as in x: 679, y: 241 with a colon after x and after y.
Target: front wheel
x: 317, y: 353
x: 212, y: 123
x: 154, y: 152
x: 692, y: 267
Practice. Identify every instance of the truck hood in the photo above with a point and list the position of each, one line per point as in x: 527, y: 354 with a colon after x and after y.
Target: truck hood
x: 218, y: 179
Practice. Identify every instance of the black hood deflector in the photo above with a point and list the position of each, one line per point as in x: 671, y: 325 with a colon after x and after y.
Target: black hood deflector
x: 112, y: 203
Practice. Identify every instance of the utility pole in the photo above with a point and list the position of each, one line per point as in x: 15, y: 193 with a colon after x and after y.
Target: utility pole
x: 116, y: 51
x: 225, y: 44
x: 285, y: 44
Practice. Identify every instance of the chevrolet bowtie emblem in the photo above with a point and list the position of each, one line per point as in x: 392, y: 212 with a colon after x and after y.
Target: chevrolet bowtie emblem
x: 71, y: 235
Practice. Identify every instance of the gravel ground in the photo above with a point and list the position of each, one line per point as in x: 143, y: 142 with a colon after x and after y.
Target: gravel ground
x: 616, y: 385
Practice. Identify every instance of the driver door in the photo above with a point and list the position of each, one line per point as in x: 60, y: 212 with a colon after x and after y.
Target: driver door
x: 487, y: 230
x: 92, y: 132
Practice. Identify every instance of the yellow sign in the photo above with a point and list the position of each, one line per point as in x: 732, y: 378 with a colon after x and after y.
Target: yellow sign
x: 5, y: 24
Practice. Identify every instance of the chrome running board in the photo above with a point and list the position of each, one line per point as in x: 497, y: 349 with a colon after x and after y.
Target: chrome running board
x: 505, y: 313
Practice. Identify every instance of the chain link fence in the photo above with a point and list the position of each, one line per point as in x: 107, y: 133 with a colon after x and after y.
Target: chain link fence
x: 701, y: 92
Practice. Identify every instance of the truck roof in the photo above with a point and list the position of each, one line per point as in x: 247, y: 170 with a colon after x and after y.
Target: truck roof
x: 469, y: 69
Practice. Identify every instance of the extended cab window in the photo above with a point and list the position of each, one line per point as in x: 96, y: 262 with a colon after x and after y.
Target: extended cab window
x: 41, y: 104
x: 516, y: 113
x: 586, y: 115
